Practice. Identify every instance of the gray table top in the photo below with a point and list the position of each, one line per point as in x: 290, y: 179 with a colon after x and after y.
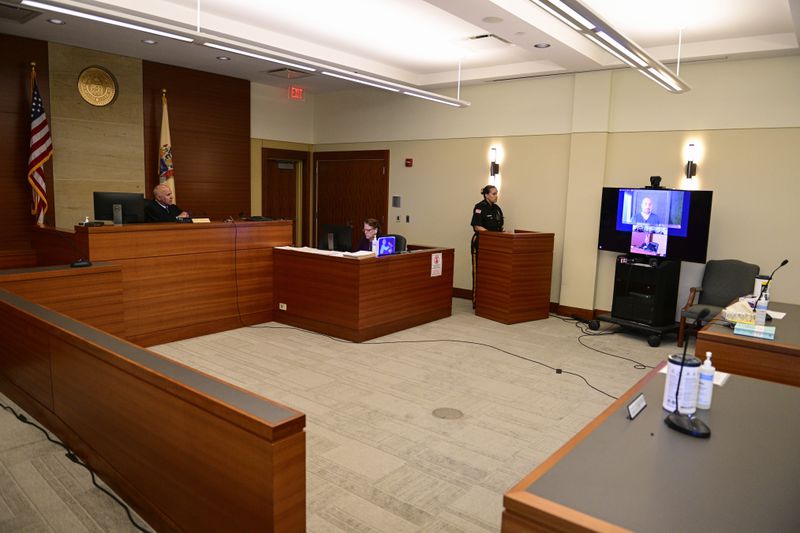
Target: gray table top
x: 787, y: 329
x: 643, y: 476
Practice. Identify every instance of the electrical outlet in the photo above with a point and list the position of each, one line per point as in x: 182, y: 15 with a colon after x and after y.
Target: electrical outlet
x: 282, y: 306
x: 398, y: 218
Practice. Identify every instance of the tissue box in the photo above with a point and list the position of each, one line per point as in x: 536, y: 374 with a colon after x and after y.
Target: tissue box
x: 751, y: 330
x: 739, y: 312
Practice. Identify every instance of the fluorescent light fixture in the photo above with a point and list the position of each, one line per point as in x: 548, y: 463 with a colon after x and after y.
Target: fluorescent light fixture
x: 258, y: 56
x: 363, y: 82
x: 577, y: 17
x: 558, y: 15
x: 653, y: 78
x: 432, y: 99
x: 583, y: 20
x: 608, y: 49
x: 105, y: 20
x: 627, y: 51
x: 663, y: 77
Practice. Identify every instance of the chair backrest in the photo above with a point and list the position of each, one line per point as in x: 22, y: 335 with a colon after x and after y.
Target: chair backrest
x: 724, y: 280
x: 399, y: 242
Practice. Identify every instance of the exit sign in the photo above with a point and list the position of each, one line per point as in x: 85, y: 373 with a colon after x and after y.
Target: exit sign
x: 296, y: 93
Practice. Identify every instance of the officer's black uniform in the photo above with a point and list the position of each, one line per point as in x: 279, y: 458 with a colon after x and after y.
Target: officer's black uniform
x: 489, y: 216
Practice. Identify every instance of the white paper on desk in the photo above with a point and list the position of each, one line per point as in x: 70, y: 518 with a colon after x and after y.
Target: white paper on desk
x: 720, y: 378
x: 358, y: 253
x: 776, y: 314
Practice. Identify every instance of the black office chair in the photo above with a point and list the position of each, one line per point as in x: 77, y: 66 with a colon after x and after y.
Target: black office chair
x: 724, y: 281
x: 399, y: 242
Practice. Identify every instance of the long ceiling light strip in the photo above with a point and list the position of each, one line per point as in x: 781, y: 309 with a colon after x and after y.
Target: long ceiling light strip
x: 363, y: 82
x: 254, y: 55
x: 327, y: 70
x: 397, y: 87
x: 106, y: 20
x: 432, y: 99
x: 593, y: 27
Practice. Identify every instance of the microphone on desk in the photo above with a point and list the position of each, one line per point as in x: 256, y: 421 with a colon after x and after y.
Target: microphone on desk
x: 688, y: 424
x: 765, y: 286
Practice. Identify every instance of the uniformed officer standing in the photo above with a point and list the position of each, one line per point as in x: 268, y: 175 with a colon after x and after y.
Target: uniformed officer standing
x: 486, y: 216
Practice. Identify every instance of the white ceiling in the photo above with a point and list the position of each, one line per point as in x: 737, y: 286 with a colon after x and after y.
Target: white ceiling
x: 418, y: 42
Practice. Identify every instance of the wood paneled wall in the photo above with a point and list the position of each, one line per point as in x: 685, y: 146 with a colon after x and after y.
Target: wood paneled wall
x: 16, y: 55
x: 209, y: 118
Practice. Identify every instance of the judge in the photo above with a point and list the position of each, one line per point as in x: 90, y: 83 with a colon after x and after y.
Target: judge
x: 162, y: 208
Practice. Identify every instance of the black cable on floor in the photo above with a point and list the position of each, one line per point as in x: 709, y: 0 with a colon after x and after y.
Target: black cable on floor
x: 457, y: 341
x: 638, y: 365
x: 75, y: 459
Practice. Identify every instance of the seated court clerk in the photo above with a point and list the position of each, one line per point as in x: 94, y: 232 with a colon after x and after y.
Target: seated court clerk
x: 486, y: 216
x: 162, y: 208
x: 371, y: 230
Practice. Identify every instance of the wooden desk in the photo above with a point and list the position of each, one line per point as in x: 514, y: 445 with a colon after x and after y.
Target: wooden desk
x: 189, y: 452
x: 621, y: 475
x: 775, y: 360
x: 179, y: 280
x: 513, y: 278
x: 360, y: 299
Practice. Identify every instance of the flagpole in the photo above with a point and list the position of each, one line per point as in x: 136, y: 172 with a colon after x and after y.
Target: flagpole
x: 166, y: 172
x: 41, y: 150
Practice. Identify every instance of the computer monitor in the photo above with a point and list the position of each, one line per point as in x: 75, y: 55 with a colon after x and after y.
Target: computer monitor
x: 386, y: 246
x: 132, y: 204
x: 335, y: 237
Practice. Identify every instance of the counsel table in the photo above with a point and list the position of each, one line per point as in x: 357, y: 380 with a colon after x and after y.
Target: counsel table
x: 361, y: 298
x: 618, y: 474
x: 775, y: 360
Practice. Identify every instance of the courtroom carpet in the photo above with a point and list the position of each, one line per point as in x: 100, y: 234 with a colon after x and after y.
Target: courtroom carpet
x: 377, y: 458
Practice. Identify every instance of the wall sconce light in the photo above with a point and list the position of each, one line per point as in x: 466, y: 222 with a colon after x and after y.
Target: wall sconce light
x: 494, y: 166
x: 691, y: 166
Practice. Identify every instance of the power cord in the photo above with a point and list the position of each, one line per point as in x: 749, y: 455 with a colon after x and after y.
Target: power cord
x: 455, y: 341
x: 638, y: 365
x: 241, y: 320
x: 75, y: 459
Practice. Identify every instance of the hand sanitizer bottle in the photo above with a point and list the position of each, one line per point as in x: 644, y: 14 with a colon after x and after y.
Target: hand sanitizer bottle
x: 375, y: 246
x: 706, y: 388
x: 761, y: 312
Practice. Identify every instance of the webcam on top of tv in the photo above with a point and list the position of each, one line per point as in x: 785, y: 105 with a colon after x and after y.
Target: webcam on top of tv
x: 655, y: 183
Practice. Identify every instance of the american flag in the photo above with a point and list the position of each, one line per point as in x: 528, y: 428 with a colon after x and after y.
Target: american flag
x: 41, y: 151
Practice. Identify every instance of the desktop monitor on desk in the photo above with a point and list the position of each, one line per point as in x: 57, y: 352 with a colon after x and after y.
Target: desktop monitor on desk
x: 335, y: 237
x: 131, y: 206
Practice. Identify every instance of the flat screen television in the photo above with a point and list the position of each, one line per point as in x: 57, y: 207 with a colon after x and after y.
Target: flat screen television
x: 132, y: 206
x: 664, y: 223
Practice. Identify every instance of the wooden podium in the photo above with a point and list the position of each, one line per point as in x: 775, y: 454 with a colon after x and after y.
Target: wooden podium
x: 513, y: 278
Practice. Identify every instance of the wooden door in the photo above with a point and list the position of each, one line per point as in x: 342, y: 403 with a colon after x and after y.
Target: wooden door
x: 352, y: 186
x: 284, y: 173
x: 279, y: 198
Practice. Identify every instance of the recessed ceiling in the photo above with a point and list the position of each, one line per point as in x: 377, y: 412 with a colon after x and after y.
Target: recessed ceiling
x: 427, y: 44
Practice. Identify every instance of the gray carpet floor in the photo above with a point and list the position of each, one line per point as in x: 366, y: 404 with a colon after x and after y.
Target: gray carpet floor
x: 377, y: 457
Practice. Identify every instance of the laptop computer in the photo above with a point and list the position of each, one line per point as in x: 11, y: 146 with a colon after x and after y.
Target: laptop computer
x: 386, y: 246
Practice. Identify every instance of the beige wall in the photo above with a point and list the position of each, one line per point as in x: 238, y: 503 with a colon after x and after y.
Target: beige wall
x: 274, y: 116
x: 96, y: 148
x: 438, y: 192
x: 745, y: 115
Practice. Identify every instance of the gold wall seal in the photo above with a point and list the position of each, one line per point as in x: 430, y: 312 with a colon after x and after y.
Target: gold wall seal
x: 97, y: 86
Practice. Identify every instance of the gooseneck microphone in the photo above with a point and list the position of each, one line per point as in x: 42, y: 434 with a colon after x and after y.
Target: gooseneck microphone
x: 765, y: 286
x: 688, y: 424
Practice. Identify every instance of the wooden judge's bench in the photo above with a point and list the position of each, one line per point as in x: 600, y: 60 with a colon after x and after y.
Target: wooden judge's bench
x: 179, y: 280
